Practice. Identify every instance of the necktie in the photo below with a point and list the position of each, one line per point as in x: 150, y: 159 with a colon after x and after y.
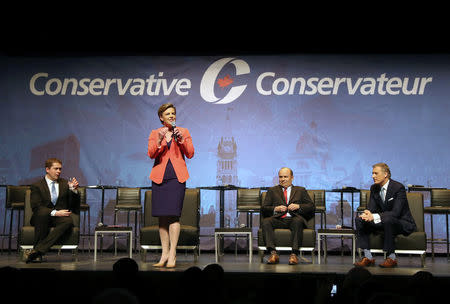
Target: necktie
x: 54, y: 195
x: 383, y: 194
x: 285, y: 197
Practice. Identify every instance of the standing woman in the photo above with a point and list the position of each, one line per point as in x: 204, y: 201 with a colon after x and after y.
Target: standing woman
x: 169, y: 145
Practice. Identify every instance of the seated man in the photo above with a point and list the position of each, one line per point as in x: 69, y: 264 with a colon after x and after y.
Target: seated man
x: 388, y: 211
x: 289, y: 207
x: 52, y: 200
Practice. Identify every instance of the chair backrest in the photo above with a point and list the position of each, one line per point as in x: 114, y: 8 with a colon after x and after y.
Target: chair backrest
x: 415, y: 201
x: 27, y: 211
x: 310, y: 224
x: 318, y: 197
x: 128, y: 196
x: 190, y: 214
x: 15, y: 194
x: 440, y: 197
x: 82, y: 192
x: 364, y: 198
x: 248, y: 199
x: 149, y: 220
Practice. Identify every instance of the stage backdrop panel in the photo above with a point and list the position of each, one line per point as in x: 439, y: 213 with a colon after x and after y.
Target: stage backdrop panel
x: 328, y: 117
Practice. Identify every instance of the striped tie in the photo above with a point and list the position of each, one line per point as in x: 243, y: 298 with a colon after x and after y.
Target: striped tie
x: 54, y: 195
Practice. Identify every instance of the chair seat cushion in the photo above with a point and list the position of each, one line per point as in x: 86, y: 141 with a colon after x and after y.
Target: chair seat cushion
x: 414, y: 241
x: 283, y: 238
x: 188, y: 235
x: 437, y: 209
x: 27, y: 236
x: 128, y: 207
x: 17, y: 205
x: 255, y: 208
x: 84, y: 207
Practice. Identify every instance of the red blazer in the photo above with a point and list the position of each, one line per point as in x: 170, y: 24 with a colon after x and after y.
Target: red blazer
x: 176, y: 154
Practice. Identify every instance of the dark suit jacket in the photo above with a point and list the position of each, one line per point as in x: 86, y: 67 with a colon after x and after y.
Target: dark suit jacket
x: 299, y: 195
x: 41, y: 199
x: 395, y: 205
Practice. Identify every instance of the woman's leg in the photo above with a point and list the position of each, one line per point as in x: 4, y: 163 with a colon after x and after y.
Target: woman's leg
x: 174, y: 233
x: 164, y: 236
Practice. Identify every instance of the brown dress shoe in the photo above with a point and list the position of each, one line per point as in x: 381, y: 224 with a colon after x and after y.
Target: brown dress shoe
x: 365, y: 262
x: 274, y: 258
x: 389, y: 263
x: 293, y: 259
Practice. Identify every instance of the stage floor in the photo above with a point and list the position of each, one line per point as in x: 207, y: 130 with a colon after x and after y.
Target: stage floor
x: 231, y: 263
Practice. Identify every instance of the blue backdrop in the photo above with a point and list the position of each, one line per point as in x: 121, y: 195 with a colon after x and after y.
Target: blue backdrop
x: 328, y: 117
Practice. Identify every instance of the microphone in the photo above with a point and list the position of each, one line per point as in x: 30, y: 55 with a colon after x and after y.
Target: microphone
x: 173, y: 128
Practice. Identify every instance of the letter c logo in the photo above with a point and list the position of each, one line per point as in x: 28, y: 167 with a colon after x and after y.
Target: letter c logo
x: 211, y: 74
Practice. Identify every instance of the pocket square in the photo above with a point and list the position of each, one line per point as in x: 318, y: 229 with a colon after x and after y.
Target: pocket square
x: 390, y: 199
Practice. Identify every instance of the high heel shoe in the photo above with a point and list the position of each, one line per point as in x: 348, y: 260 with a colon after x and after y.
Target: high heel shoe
x: 172, y: 265
x: 160, y: 264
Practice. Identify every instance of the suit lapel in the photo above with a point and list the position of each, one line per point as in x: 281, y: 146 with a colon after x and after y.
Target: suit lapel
x: 388, y: 193
x: 377, y: 197
x: 62, y: 189
x: 281, y: 193
x: 46, y: 192
x: 293, y: 190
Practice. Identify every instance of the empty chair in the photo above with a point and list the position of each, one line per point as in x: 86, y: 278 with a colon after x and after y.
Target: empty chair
x: 283, y: 237
x: 439, y: 204
x: 248, y: 201
x: 364, y: 198
x: 189, y: 238
x: 85, y: 209
x: 15, y: 201
x: 318, y: 197
x: 129, y: 200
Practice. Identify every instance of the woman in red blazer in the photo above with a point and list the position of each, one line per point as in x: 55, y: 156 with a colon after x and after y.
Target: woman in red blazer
x: 168, y: 146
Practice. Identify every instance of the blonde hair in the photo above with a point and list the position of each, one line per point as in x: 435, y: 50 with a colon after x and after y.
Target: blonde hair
x: 383, y: 167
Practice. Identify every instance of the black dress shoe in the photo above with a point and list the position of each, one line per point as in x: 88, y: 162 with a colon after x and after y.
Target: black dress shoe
x: 34, y: 257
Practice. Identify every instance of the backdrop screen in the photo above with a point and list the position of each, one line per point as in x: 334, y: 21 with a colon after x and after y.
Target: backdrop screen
x: 328, y: 117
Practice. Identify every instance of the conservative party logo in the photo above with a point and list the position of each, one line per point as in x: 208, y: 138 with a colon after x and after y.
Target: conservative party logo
x: 211, y: 78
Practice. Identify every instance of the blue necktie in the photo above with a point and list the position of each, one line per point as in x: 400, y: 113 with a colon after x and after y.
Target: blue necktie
x: 54, y: 195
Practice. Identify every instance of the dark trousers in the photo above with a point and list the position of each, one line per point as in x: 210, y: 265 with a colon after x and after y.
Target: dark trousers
x: 390, y: 227
x: 44, y: 238
x: 295, y: 224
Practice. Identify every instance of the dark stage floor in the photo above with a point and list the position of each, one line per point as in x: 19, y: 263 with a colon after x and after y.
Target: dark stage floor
x: 242, y: 282
x: 336, y: 264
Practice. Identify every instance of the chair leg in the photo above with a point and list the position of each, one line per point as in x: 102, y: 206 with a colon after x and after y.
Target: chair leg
x: 432, y: 237
x: 261, y: 255
x: 446, y: 226
x: 115, y: 236
x: 135, y: 229
x: 5, y: 219
x: 196, y: 253
x: 10, y: 230
x: 422, y: 259
x: 18, y: 229
x: 143, y: 254
x: 89, y: 231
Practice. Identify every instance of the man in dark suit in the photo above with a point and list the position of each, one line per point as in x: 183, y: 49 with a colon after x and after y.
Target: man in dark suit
x: 53, y: 199
x: 388, y: 212
x: 287, y: 206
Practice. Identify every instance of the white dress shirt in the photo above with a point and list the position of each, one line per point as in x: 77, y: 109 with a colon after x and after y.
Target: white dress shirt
x: 376, y: 216
x: 49, y: 183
